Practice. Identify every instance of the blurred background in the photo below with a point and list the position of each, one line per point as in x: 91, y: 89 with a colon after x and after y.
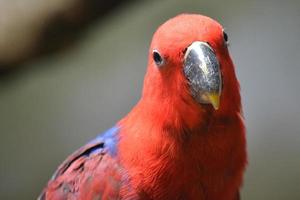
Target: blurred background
x: 70, y: 69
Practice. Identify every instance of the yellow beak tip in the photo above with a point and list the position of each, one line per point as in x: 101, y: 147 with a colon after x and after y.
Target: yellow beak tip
x: 214, y: 99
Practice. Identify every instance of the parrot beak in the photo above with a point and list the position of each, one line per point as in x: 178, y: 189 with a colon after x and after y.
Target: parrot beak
x: 202, y: 70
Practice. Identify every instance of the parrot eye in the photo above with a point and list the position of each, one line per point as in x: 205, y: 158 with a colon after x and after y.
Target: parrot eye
x: 225, y: 36
x: 157, y: 58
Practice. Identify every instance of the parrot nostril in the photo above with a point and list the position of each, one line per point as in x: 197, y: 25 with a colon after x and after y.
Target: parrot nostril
x: 157, y: 58
x: 210, y: 45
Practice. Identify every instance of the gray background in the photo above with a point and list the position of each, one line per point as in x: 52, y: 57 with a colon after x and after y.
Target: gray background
x: 56, y: 103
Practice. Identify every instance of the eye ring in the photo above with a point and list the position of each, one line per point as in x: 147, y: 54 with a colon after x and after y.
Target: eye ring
x: 158, y: 59
x: 225, y: 36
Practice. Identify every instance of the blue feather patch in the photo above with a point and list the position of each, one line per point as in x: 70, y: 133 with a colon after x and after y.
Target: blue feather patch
x: 109, y: 139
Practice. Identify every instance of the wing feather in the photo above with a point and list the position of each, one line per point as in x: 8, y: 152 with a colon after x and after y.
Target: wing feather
x: 91, y: 172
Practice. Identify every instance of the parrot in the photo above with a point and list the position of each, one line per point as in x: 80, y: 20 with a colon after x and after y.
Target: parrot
x: 184, y: 139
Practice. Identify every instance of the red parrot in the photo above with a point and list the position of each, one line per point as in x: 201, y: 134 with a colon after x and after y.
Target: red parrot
x: 185, y: 138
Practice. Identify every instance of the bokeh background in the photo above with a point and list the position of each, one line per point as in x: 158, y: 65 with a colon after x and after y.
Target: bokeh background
x: 70, y: 69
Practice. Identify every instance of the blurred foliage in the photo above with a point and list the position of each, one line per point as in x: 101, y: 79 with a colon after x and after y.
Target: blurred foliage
x: 31, y: 28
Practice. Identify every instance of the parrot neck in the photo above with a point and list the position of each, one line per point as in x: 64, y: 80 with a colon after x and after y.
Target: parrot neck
x: 168, y: 142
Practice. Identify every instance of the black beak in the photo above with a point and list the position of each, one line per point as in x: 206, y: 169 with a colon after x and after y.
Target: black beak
x: 202, y: 69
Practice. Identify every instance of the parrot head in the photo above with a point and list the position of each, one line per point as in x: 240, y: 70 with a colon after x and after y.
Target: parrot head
x: 189, y: 63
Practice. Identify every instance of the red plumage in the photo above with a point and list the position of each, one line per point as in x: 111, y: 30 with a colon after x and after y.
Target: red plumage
x: 172, y: 146
x: 169, y: 146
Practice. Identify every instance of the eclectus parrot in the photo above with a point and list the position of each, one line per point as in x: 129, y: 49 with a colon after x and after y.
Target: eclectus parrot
x: 185, y: 138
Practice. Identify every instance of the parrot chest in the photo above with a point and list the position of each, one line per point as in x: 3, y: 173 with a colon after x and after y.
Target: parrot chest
x: 185, y: 179
x: 204, y: 165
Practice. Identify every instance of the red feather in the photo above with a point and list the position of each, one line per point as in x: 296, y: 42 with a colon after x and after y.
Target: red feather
x: 173, y: 147
x: 169, y: 146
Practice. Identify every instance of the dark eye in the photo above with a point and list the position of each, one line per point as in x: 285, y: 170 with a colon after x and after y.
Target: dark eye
x: 157, y: 58
x: 225, y: 36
